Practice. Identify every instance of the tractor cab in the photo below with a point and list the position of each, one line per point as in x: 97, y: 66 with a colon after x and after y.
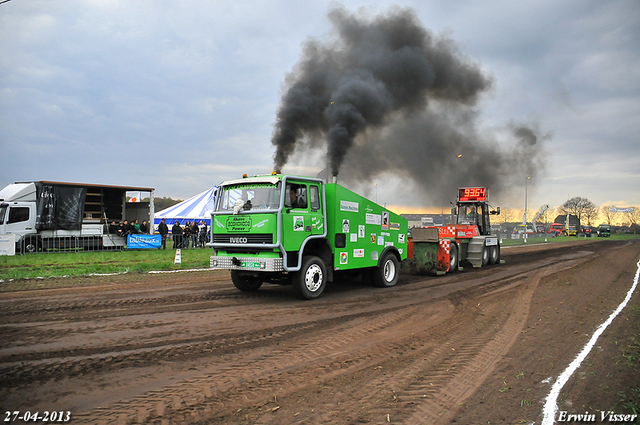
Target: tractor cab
x: 472, y: 209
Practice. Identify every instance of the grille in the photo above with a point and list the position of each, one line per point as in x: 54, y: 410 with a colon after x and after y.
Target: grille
x: 251, y: 238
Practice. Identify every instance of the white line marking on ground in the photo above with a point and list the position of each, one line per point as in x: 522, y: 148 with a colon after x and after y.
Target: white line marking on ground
x: 551, y: 406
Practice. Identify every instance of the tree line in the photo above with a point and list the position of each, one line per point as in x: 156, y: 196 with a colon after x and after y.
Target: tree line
x: 587, y: 212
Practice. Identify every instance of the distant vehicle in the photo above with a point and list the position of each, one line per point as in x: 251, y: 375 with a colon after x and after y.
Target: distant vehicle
x: 571, y: 224
x: 586, y: 231
x: 540, y: 228
x: 604, y: 231
x: 522, y: 229
x: 496, y: 229
x: 556, y: 228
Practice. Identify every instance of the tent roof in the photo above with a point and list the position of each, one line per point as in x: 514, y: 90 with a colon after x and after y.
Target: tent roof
x: 196, y: 207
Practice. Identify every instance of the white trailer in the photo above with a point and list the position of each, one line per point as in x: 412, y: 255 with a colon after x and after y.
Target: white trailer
x: 46, y: 215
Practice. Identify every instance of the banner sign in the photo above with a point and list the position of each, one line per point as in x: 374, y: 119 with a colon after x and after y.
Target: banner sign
x: 8, y: 244
x: 622, y: 210
x: 144, y: 241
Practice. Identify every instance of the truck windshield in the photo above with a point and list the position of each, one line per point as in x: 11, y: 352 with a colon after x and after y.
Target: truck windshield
x: 468, y: 214
x: 250, y: 197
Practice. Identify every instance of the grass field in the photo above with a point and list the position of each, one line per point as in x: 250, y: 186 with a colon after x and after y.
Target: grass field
x: 553, y: 239
x: 39, y: 266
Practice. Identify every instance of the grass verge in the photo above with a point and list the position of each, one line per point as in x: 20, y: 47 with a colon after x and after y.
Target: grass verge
x: 39, y: 266
x: 553, y: 239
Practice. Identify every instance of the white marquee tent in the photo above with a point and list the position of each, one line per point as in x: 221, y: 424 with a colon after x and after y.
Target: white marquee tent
x: 196, y: 208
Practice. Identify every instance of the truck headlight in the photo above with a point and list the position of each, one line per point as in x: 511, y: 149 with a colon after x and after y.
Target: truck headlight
x: 263, y: 265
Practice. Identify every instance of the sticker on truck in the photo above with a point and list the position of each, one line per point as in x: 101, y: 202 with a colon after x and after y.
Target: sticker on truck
x: 373, y: 219
x: 349, y: 206
x: 343, y: 258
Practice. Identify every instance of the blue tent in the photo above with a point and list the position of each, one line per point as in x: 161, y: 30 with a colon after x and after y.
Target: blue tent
x: 196, y: 208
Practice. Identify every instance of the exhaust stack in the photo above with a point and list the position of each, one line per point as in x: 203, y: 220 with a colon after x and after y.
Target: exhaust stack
x: 335, y: 178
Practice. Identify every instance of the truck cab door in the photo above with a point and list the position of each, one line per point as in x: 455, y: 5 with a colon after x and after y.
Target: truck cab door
x: 20, y: 219
x: 302, y: 215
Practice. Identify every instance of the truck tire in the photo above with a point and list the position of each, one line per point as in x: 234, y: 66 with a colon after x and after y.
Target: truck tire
x: 244, y: 282
x: 310, y: 281
x: 453, y: 257
x: 386, y: 274
x: 31, y: 244
x: 494, y: 254
x: 485, y: 255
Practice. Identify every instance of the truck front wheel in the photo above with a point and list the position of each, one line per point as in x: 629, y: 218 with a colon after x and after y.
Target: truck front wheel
x: 31, y: 244
x: 310, y: 281
x: 245, y: 282
x: 386, y: 274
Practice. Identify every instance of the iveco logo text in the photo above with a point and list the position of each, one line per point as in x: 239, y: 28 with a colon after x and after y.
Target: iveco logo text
x: 238, y: 240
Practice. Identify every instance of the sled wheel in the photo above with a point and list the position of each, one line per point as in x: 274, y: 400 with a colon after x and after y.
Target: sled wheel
x: 485, y: 255
x: 245, y: 282
x: 453, y: 257
x: 494, y: 255
x: 310, y: 281
x: 386, y: 274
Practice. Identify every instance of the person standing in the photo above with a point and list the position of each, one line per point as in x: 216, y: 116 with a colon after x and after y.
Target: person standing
x: 176, y: 231
x: 187, y: 232
x: 163, y: 229
x: 203, y: 233
x: 194, y: 234
x: 143, y: 227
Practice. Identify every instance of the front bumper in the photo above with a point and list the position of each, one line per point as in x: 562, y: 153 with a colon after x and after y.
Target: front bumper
x: 255, y: 264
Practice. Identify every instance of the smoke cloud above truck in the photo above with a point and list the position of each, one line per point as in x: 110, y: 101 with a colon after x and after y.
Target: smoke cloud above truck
x: 384, y: 94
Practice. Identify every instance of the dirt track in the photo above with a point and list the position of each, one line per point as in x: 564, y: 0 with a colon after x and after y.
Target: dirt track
x: 471, y: 347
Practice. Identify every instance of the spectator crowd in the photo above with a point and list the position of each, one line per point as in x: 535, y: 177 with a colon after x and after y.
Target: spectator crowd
x: 191, y: 235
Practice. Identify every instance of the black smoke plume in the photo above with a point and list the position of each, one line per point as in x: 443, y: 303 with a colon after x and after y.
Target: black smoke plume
x: 385, y: 95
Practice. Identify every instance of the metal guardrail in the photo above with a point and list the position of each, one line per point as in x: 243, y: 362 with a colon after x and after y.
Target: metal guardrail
x: 36, y: 244
x: 110, y: 242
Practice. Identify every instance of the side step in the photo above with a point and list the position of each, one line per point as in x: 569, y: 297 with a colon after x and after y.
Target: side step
x: 474, y: 251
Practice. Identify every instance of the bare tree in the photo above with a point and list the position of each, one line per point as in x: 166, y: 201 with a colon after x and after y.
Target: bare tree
x: 507, y: 215
x: 580, y: 207
x: 609, y: 216
x: 634, y: 218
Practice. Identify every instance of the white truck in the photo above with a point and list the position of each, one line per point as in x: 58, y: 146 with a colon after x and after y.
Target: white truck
x: 59, y: 216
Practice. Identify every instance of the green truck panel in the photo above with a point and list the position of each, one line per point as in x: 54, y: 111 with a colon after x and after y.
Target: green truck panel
x: 368, y: 229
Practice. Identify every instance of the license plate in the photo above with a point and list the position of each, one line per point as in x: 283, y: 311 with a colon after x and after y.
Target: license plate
x: 250, y: 264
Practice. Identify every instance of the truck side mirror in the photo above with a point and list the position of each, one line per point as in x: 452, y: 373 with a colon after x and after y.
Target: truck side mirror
x: 454, y: 211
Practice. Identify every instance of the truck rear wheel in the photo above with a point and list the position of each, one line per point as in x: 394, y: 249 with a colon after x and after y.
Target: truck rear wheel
x: 310, y: 281
x: 386, y: 274
x: 245, y: 282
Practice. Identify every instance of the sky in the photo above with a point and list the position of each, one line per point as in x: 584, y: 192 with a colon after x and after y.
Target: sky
x: 179, y: 96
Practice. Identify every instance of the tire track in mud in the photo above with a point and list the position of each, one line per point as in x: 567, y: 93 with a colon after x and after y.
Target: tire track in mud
x: 315, y: 353
x: 430, y: 389
x: 185, y: 402
x: 253, y: 381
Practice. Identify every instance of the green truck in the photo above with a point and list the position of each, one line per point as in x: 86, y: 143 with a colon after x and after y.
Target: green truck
x: 301, y: 231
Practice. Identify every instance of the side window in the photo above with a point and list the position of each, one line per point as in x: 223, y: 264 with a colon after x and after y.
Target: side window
x: 296, y: 196
x: 314, y: 198
x: 17, y: 214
